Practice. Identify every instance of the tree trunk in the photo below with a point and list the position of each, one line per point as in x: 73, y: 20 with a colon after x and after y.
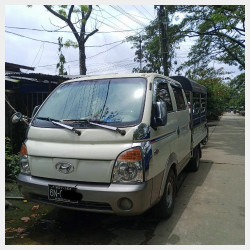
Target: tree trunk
x: 82, y: 60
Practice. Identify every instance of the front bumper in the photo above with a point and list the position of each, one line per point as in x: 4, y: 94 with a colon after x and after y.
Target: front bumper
x: 104, y: 198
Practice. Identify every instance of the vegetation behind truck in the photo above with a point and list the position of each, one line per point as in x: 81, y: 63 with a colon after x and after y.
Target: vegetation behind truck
x: 111, y: 144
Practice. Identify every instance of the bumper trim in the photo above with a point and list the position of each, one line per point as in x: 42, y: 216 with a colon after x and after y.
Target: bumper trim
x: 96, y: 197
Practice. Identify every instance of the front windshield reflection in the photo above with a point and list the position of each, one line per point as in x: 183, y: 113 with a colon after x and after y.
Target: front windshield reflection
x: 115, y: 101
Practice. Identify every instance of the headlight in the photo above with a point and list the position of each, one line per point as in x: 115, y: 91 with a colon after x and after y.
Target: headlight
x: 24, y: 161
x: 128, y: 167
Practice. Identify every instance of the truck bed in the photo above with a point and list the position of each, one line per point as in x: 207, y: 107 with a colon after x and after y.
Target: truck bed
x: 199, y: 132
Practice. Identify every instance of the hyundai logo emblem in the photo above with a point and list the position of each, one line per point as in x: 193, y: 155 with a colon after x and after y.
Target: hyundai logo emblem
x: 64, y: 167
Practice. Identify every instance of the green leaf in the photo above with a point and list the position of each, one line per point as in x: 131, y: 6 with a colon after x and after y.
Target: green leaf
x: 62, y: 12
x: 70, y: 43
x: 84, y: 8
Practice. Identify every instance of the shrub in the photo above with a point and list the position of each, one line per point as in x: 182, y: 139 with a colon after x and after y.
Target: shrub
x: 11, y: 161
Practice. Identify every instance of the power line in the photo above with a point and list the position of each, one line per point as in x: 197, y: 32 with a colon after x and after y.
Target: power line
x: 42, y: 45
x: 112, y: 67
x: 105, y: 51
x: 146, y: 10
x: 67, y: 31
x: 119, y: 9
x: 122, y: 60
x: 117, y: 19
x: 116, y: 44
x: 144, y: 17
x: 86, y: 58
x: 91, y: 46
x: 108, y: 18
x: 139, y: 10
x: 115, y: 27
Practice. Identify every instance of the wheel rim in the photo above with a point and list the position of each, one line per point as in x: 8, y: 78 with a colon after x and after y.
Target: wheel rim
x: 169, y: 194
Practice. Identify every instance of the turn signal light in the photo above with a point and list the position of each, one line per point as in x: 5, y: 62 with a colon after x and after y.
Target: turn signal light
x: 130, y: 155
x: 23, y: 150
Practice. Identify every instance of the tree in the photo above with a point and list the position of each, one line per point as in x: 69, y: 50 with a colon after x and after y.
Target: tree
x: 83, y: 12
x: 62, y: 61
x: 237, y: 91
x: 218, y: 92
x: 148, y: 50
x: 152, y: 49
x: 221, y: 34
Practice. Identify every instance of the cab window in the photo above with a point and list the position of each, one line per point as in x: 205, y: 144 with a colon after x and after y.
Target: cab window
x: 162, y: 93
x: 180, y: 101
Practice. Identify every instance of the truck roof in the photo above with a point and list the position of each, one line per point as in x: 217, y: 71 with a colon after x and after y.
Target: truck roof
x: 190, y: 85
x: 108, y: 76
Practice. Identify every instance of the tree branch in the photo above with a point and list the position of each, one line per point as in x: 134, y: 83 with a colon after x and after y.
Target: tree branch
x: 233, y: 55
x: 55, y: 13
x: 215, y: 33
x: 88, y: 13
x: 70, y: 12
x: 68, y: 21
x: 90, y: 34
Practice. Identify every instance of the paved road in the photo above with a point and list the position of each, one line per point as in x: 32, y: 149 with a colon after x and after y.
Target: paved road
x: 209, y: 210
x: 210, y: 207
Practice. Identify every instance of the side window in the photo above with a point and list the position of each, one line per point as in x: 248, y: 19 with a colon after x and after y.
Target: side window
x: 196, y: 103
x: 203, y: 103
x: 162, y: 93
x: 180, y: 102
x: 187, y: 93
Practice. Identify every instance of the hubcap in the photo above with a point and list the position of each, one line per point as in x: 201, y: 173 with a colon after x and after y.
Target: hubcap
x: 169, y: 194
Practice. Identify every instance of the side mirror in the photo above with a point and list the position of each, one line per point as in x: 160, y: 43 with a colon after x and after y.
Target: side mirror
x: 161, y: 113
x: 35, y: 110
x: 158, y: 115
x: 16, y: 117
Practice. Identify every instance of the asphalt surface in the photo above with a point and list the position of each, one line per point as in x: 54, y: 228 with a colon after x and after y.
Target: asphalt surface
x: 210, y: 205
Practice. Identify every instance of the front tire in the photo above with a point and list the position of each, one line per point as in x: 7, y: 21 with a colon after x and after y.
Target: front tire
x: 165, y: 207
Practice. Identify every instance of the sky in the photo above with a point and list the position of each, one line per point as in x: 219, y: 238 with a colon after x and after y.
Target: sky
x: 113, y: 55
x: 106, y: 51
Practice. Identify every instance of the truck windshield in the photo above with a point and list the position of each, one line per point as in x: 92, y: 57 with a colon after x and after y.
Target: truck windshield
x: 115, y: 101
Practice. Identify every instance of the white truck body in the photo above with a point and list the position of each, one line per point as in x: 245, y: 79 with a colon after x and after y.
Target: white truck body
x: 104, y: 170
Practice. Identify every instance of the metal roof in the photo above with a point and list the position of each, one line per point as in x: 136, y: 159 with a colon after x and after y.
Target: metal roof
x: 190, y: 85
x: 37, y: 77
x: 12, y: 67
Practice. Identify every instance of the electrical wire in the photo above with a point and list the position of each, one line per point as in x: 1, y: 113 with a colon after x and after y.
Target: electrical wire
x: 119, y: 9
x: 44, y: 41
x: 67, y: 31
x: 146, y: 10
x: 117, y: 19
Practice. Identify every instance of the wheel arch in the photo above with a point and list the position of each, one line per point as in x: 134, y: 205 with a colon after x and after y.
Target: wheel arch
x: 170, y: 164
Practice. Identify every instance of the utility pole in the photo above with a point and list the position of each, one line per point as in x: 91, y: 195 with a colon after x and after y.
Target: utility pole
x: 163, y: 24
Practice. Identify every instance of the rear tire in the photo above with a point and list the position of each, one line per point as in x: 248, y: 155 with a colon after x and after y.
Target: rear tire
x: 195, y: 161
x: 165, y: 207
x: 205, y: 140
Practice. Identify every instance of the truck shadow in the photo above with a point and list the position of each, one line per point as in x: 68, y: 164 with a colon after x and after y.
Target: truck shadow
x: 68, y: 227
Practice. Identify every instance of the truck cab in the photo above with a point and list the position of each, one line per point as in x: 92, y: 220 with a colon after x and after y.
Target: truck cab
x: 110, y: 144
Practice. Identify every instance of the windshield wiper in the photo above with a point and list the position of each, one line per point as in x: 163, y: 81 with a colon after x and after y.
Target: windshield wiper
x: 97, y: 123
x: 58, y: 123
x: 122, y: 132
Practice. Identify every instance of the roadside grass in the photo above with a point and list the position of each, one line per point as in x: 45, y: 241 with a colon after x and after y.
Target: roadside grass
x: 20, y: 216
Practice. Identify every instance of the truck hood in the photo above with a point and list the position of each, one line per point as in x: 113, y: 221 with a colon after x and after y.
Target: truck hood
x: 92, y: 154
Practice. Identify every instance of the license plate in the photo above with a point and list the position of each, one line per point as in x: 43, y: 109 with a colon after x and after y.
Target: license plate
x: 62, y: 193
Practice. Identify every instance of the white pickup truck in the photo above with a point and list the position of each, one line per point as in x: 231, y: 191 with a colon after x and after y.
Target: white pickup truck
x: 113, y: 144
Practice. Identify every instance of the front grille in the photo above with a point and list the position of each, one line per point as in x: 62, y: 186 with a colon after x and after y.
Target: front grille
x: 88, y: 205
